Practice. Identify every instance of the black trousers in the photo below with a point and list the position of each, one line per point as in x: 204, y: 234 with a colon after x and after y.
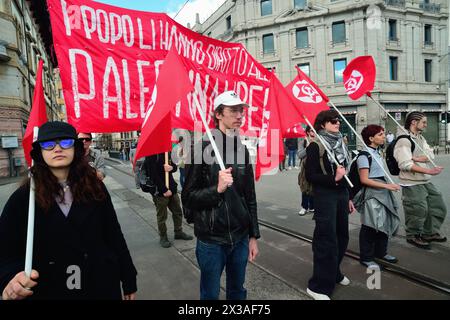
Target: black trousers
x: 330, y: 238
x: 372, y: 243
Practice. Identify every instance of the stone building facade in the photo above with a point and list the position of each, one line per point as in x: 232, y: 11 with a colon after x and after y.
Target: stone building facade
x: 407, y: 38
x: 23, y: 40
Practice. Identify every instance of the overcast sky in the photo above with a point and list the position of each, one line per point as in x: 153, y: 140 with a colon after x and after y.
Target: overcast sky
x: 204, y: 7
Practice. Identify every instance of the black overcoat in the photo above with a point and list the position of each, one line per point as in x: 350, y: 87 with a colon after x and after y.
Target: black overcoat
x: 87, y: 244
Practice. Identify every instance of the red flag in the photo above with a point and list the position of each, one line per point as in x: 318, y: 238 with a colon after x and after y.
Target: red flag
x: 156, y: 129
x: 283, y: 115
x: 38, y: 114
x: 296, y: 131
x: 359, y: 77
x: 307, y: 96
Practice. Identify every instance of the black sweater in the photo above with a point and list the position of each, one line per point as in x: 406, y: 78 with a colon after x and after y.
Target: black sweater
x: 155, y: 165
x: 314, y: 173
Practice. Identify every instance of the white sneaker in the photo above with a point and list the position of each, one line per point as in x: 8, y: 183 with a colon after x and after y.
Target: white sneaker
x: 290, y: 168
x: 311, y: 210
x: 302, y: 212
x: 296, y: 167
x: 317, y: 296
x: 345, y: 281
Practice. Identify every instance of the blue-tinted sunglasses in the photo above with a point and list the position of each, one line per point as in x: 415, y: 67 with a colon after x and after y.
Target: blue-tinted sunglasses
x: 63, y: 143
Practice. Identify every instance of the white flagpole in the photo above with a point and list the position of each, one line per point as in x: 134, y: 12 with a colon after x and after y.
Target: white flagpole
x: 362, y: 141
x: 31, y: 212
x: 208, y: 132
x: 403, y: 129
x: 327, y: 150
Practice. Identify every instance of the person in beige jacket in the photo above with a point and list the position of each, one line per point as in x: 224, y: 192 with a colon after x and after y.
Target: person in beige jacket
x: 423, y: 204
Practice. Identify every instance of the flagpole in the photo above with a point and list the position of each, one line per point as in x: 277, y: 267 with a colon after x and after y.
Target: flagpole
x: 166, y: 161
x: 362, y: 141
x: 327, y: 150
x: 31, y: 214
x: 208, y: 132
x: 401, y: 127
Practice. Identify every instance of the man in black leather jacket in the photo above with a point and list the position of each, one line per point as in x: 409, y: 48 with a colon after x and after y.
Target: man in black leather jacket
x: 223, y: 203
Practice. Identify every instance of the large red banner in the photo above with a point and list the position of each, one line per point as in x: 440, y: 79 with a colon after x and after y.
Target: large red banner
x: 109, y: 59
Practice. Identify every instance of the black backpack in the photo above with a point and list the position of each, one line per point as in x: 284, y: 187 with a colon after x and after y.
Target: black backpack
x: 353, y: 174
x: 145, y: 180
x: 391, y: 162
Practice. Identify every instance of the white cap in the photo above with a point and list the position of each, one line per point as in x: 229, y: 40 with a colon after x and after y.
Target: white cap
x: 228, y: 98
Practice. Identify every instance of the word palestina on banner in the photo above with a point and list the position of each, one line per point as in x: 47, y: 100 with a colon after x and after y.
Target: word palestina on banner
x: 110, y: 57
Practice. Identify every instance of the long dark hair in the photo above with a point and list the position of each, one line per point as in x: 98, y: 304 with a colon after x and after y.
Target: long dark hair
x: 82, y: 179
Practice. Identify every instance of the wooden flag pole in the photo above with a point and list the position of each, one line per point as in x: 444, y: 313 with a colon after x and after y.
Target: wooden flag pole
x: 166, y: 162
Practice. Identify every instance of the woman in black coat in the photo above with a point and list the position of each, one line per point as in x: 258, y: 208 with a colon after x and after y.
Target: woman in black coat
x: 79, y: 249
x: 332, y: 205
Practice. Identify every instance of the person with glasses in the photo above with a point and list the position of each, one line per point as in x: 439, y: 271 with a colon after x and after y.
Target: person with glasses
x: 94, y: 157
x: 79, y: 249
x: 223, y: 203
x: 331, y: 203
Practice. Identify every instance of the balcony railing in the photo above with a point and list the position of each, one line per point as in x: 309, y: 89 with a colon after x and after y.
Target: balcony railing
x: 430, y: 7
x: 395, y: 3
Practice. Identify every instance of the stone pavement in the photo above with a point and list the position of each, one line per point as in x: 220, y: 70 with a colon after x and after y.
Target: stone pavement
x: 166, y: 274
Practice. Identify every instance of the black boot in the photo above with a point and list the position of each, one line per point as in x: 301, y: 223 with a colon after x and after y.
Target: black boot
x: 164, y: 242
x: 183, y: 236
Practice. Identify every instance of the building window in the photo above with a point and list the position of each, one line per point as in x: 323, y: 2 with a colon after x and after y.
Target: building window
x: 339, y: 67
x: 304, y: 67
x: 228, y: 22
x: 392, y: 30
x: 428, y: 67
x: 266, y: 7
x: 300, y: 4
x: 268, y: 46
x: 393, y: 68
x: 427, y: 34
x: 302, y: 38
x: 338, y: 31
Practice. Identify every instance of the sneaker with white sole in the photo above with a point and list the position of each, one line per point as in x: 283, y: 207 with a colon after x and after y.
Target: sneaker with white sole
x: 311, y: 210
x: 302, y: 212
x: 345, y: 281
x: 317, y: 296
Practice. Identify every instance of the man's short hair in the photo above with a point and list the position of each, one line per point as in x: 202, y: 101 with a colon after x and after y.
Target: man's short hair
x: 370, y: 131
x: 90, y: 134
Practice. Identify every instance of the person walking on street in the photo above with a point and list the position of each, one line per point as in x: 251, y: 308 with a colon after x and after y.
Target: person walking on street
x: 79, y: 249
x: 307, y: 201
x: 292, y: 146
x: 137, y: 164
x: 332, y: 205
x: 94, y: 157
x: 165, y: 198
x: 424, y: 207
x: 223, y: 204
